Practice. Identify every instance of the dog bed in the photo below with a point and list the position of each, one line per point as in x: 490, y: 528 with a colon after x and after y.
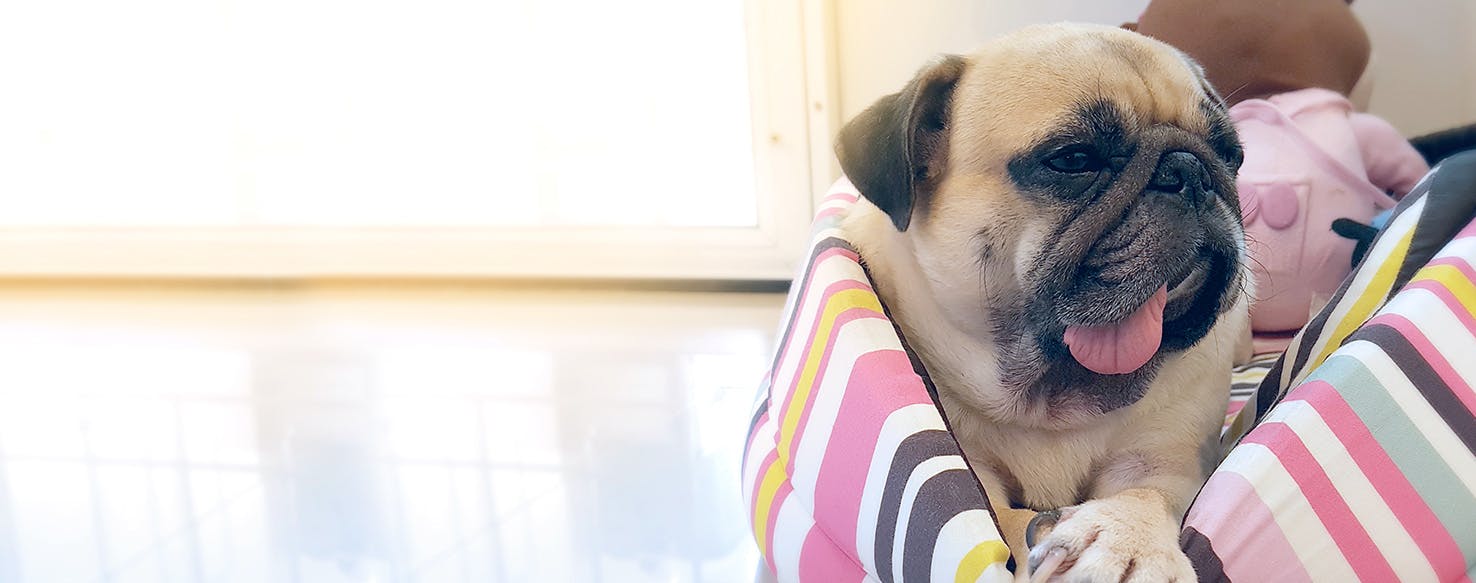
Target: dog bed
x: 1350, y: 456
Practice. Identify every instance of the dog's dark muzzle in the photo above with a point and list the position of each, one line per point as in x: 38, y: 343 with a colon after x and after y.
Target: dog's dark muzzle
x: 1165, y: 220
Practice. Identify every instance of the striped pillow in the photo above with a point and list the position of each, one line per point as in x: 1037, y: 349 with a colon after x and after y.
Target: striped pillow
x: 1360, y: 465
x: 850, y: 472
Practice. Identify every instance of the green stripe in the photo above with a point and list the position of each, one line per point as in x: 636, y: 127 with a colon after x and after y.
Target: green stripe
x: 1405, y: 443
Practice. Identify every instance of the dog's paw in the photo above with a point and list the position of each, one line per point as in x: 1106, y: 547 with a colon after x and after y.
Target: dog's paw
x: 1123, y: 538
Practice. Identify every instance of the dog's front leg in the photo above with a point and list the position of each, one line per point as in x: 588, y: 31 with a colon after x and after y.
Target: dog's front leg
x: 1132, y: 535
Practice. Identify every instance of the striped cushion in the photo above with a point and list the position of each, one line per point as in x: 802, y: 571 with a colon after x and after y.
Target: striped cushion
x: 1360, y: 465
x: 1363, y: 470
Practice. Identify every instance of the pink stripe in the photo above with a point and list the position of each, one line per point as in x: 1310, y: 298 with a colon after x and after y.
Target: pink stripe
x: 773, y: 519
x: 1330, y: 507
x: 841, y: 320
x: 881, y: 382
x: 1235, y: 519
x: 841, y: 196
x: 1437, y: 361
x: 828, y: 212
x: 1398, y: 494
x: 821, y: 560
x: 799, y: 308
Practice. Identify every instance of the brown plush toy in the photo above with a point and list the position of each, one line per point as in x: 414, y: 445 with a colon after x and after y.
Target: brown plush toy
x: 1286, y: 68
x: 1258, y: 48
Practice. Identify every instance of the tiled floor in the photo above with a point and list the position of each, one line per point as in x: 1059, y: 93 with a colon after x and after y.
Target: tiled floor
x: 335, y: 433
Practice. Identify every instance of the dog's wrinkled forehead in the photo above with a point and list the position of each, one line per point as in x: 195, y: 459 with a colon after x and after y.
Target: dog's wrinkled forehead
x: 1034, y: 84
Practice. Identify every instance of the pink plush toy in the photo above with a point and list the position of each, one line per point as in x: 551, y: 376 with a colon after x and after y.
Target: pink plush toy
x: 1310, y: 160
x: 1286, y: 67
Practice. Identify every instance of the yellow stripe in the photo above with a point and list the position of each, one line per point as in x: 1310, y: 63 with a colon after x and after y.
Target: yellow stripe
x: 1455, y: 281
x: 1372, y: 297
x: 840, y: 302
x: 773, y: 477
x: 980, y: 558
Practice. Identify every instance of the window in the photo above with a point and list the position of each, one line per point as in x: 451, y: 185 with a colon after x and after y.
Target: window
x: 650, y: 138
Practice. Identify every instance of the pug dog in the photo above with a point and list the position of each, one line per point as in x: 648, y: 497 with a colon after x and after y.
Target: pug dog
x: 1053, y: 223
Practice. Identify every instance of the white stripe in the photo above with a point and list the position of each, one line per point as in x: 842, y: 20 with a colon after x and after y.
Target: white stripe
x: 791, y: 301
x: 827, y: 233
x: 763, y: 444
x: 1353, y: 486
x: 958, y: 536
x: 1412, y: 403
x: 1361, y: 279
x: 1440, y: 325
x: 1464, y: 248
x: 920, y: 475
x: 899, y: 425
x: 790, y: 529
x: 1309, y: 539
x: 855, y: 339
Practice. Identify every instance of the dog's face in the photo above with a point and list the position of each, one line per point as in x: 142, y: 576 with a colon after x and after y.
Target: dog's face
x: 1068, y: 184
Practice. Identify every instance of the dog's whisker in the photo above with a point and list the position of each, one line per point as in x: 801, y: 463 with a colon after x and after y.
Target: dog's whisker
x: 1237, y: 90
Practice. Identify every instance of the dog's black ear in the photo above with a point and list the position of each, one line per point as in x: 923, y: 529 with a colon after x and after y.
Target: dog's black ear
x: 894, y: 151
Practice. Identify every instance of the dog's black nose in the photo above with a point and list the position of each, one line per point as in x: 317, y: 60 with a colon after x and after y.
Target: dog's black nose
x: 1179, y: 173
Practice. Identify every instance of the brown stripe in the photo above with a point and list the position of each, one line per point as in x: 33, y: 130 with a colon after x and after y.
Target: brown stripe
x: 1207, y: 564
x: 1270, y: 392
x: 1425, y: 379
x: 914, y: 450
x: 1243, y: 389
x: 941, y: 498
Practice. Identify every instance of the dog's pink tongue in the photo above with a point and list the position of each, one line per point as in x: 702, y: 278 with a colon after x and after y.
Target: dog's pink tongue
x: 1123, y: 347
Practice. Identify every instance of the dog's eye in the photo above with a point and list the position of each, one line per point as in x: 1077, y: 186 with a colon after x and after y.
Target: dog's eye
x: 1074, y: 161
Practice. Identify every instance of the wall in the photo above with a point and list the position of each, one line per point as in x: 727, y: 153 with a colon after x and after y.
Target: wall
x: 1424, y: 50
x: 1423, y: 76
